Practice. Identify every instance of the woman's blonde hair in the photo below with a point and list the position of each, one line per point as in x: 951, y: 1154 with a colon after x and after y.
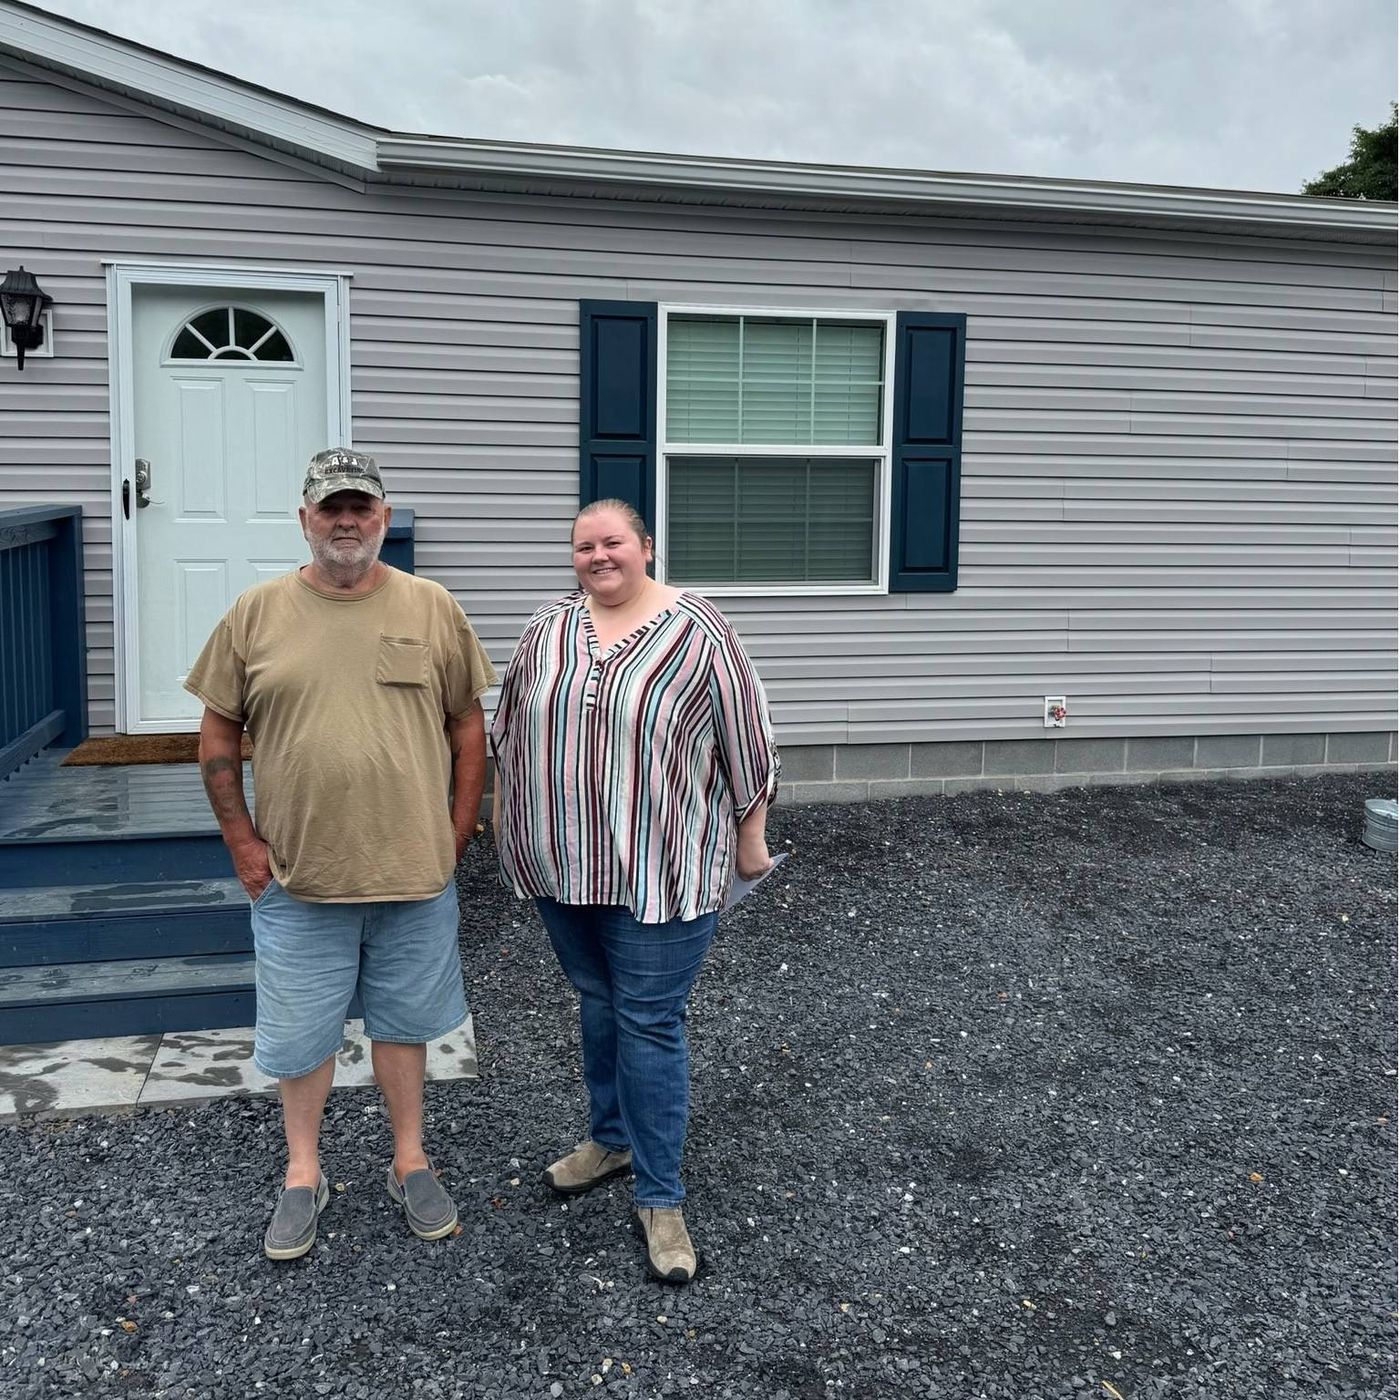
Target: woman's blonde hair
x: 626, y: 511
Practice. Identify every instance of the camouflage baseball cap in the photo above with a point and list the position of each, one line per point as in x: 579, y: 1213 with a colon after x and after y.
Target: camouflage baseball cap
x: 340, y: 469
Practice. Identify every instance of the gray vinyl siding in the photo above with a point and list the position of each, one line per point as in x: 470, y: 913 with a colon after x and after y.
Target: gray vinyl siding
x: 1178, y: 498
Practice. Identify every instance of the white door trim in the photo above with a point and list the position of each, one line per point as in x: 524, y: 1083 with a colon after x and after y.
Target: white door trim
x: 122, y: 279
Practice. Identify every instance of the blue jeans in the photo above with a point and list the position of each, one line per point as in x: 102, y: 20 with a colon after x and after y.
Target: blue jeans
x: 633, y: 981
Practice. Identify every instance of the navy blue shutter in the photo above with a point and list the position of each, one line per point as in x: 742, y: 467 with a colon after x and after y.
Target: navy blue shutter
x: 617, y: 403
x: 927, y: 451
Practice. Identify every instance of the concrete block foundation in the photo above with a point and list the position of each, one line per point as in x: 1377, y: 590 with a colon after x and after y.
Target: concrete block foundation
x: 870, y: 772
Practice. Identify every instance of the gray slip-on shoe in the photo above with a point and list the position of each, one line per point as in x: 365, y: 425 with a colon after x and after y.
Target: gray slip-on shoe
x: 292, y: 1229
x: 426, y: 1205
x: 587, y: 1166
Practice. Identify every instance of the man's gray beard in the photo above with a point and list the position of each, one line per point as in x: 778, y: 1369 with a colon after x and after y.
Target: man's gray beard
x: 344, y: 568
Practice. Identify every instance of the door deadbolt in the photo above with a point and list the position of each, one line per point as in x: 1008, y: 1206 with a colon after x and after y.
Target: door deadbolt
x: 143, y: 483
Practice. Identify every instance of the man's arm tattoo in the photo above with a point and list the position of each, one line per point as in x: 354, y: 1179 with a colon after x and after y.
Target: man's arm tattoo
x: 225, y: 794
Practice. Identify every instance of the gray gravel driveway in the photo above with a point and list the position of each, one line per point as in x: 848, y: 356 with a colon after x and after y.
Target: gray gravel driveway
x: 999, y: 1096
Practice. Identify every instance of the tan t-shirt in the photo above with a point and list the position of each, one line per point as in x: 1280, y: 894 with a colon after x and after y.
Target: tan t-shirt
x: 346, y: 698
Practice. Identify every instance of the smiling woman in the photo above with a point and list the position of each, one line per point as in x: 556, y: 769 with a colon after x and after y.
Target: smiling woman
x: 635, y: 763
x: 611, y: 550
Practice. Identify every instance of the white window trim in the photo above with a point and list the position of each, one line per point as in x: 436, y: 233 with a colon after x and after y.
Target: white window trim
x: 122, y: 278
x: 881, y: 454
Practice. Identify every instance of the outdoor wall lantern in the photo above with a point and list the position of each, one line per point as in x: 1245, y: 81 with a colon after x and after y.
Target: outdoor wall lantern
x: 23, y: 303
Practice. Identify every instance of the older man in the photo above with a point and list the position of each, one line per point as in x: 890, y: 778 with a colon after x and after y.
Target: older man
x: 360, y: 687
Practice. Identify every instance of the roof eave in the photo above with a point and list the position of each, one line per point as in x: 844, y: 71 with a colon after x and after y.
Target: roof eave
x: 554, y: 168
x: 177, y: 85
x: 354, y: 148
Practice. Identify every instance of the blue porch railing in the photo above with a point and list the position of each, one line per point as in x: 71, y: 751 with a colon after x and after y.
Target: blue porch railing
x: 43, y: 652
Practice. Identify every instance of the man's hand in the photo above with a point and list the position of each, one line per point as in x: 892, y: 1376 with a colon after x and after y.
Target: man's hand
x: 463, y: 839
x: 250, y: 864
x: 221, y: 767
x: 466, y: 739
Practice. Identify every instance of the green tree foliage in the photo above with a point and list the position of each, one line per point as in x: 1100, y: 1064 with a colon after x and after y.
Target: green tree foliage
x: 1370, y: 173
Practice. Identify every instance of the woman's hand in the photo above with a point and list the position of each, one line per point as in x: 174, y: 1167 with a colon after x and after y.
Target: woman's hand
x: 752, y: 858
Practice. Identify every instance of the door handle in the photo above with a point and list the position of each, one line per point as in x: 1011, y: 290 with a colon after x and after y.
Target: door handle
x: 143, y: 483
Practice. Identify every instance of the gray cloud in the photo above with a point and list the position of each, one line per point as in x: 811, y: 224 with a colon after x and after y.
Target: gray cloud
x: 1246, y: 94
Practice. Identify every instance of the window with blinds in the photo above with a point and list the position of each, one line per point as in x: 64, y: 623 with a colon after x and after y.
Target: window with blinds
x: 807, y: 395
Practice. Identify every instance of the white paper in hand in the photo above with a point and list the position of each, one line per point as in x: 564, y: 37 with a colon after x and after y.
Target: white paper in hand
x: 739, y: 888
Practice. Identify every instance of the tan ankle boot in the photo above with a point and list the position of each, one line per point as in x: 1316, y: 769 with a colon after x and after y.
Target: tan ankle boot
x: 670, y: 1254
x: 587, y: 1166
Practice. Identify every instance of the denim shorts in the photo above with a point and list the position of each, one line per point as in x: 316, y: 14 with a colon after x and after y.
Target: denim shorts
x: 311, y: 959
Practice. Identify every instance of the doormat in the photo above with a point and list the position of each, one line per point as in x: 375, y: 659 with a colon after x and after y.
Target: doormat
x: 142, y: 748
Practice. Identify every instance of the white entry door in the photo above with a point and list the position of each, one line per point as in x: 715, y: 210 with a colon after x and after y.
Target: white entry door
x: 229, y: 403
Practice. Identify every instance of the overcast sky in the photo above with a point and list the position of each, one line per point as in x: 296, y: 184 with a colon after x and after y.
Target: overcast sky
x: 1241, y: 94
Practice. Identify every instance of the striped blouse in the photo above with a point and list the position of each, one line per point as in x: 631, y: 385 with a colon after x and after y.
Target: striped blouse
x: 624, y: 771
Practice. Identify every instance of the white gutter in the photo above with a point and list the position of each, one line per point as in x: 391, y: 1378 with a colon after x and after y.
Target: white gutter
x: 858, y: 184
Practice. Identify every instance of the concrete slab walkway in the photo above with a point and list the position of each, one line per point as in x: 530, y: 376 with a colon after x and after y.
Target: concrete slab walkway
x: 110, y: 1074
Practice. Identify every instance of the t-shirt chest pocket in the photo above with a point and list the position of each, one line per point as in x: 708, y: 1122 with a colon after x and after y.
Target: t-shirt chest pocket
x: 403, y: 661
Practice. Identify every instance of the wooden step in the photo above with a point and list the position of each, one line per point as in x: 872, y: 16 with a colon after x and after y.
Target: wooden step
x: 148, y: 858
x: 129, y: 920
x: 128, y: 997
x: 144, y: 823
